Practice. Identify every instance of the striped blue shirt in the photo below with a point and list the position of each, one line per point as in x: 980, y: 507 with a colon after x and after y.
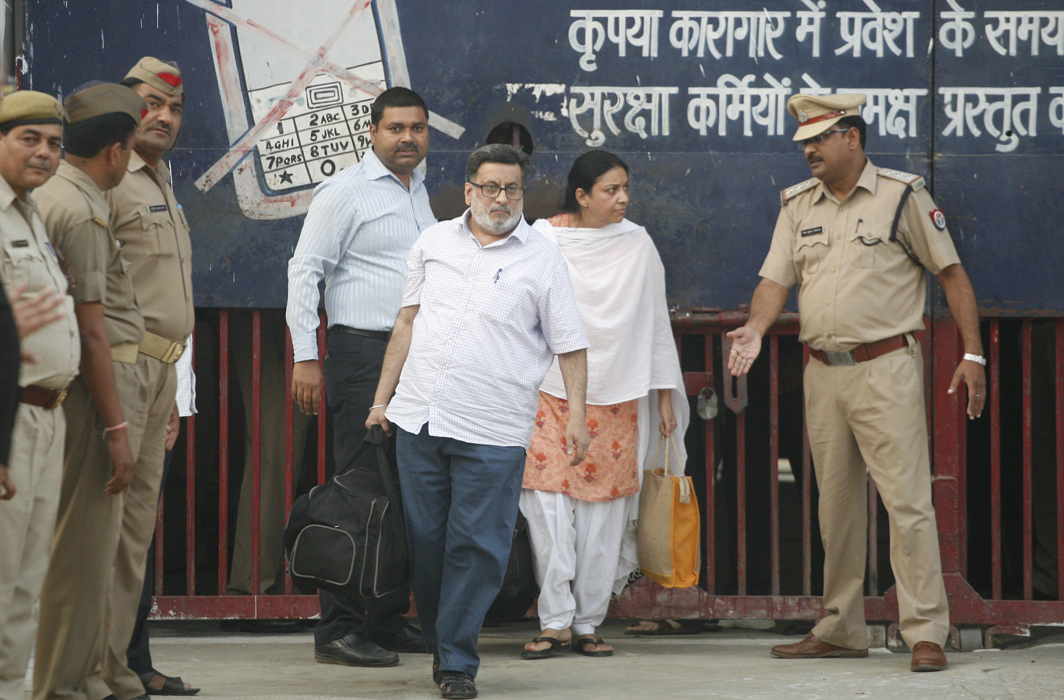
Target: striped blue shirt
x: 359, y: 228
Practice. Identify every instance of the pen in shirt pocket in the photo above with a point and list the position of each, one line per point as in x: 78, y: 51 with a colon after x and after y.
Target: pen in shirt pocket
x: 498, y: 274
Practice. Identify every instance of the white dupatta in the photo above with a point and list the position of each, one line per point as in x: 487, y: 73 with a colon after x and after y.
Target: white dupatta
x: 619, y: 282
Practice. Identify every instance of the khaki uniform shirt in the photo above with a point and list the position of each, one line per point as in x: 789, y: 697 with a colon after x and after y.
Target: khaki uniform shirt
x: 152, y: 229
x: 855, y: 284
x: 76, y: 216
x: 29, y: 261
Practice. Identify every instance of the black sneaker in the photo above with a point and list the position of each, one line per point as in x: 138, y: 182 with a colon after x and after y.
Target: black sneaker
x: 455, y: 684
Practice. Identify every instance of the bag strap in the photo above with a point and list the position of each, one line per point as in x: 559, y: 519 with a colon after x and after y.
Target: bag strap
x: 663, y: 445
x: 375, y: 437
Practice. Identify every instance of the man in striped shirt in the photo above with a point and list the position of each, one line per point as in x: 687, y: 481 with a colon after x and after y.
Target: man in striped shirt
x: 356, y: 236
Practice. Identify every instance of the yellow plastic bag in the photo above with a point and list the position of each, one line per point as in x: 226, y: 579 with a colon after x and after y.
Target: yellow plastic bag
x: 670, y: 551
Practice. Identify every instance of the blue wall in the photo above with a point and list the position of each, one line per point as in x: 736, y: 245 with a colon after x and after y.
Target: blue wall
x: 709, y: 200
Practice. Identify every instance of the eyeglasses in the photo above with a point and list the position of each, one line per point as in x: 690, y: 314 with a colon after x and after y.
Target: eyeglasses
x: 819, y: 138
x: 491, y: 190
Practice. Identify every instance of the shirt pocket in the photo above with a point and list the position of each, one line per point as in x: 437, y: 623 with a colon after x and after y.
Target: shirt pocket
x: 810, y: 253
x: 499, y: 297
x: 157, y: 232
x: 24, y: 266
x: 867, y: 247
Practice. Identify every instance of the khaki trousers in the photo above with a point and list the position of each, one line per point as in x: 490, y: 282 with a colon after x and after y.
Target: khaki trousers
x: 26, y: 525
x: 865, y: 419
x: 272, y: 515
x: 90, y: 596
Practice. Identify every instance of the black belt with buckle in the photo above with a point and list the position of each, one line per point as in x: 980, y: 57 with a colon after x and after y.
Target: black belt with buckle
x: 377, y: 335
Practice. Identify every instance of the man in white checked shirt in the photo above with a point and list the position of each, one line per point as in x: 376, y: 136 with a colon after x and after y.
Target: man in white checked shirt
x: 356, y: 236
x: 487, y: 306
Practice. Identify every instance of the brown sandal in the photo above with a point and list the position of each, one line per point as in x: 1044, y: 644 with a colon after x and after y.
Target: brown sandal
x: 556, y: 645
x: 583, y: 641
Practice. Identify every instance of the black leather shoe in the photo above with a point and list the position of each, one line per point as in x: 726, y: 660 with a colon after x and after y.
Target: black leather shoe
x: 407, y: 639
x: 458, y: 685
x: 353, y: 650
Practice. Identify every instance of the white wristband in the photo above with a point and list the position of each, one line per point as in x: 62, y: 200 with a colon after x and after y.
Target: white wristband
x: 380, y: 405
x: 978, y: 359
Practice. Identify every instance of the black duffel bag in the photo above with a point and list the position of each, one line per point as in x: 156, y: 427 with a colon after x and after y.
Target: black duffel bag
x: 347, y: 535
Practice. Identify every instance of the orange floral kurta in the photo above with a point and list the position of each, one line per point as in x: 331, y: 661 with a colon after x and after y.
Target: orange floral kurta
x: 608, y: 472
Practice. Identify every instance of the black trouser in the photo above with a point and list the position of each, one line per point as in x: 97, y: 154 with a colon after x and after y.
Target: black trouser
x: 138, y: 654
x: 352, y: 369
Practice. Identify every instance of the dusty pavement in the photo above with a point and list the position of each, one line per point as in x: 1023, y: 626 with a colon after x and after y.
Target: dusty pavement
x: 722, y: 664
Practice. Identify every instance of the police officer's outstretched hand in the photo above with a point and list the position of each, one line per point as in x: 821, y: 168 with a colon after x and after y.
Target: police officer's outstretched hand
x: 746, y: 346
x: 122, y: 462
x: 7, y: 486
x: 974, y: 377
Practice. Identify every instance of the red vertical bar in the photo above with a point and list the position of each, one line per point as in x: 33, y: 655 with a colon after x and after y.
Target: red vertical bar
x: 995, y: 459
x: 223, y: 451
x: 711, y: 482
x: 190, y: 495
x: 774, y: 458
x: 807, y: 497
x: 740, y: 490
x: 1028, y: 525
x: 949, y: 433
x: 289, y: 440
x: 322, y: 351
x: 1059, y: 385
x: 256, y: 448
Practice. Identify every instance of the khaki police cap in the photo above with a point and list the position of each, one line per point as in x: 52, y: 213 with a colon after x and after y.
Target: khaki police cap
x: 164, y: 77
x: 818, y: 113
x: 103, y: 98
x: 29, y: 107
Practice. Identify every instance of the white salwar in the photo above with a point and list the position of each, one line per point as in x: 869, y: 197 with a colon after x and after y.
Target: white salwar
x: 583, y: 550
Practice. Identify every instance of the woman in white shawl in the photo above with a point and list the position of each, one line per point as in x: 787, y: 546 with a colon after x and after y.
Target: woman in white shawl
x: 582, y: 518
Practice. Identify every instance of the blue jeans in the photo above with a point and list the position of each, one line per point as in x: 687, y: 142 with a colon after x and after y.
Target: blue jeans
x: 460, y: 502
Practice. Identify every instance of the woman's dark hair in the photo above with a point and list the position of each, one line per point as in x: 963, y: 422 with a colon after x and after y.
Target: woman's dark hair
x: 586, y: 170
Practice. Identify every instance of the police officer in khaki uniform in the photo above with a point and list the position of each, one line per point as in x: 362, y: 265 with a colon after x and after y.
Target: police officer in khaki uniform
x: 155, y: 242
x: 30, y: 141
x: 856, y: 239
x: 109, y: 403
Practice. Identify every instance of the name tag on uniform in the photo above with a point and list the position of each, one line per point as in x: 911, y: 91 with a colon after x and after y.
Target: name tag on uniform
x: 811, y: 231
x: 20, y: 243
x: 99, y: 222
x: 158, y: 207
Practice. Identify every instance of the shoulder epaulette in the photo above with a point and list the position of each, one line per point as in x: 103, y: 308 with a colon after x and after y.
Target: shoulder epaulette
x: 794, y: 190
x: 916, y: 182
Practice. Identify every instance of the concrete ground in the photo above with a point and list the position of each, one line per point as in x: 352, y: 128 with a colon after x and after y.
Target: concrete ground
x: 732, y: 663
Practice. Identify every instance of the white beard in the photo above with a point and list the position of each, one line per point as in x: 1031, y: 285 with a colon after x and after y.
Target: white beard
x: 484, y: 220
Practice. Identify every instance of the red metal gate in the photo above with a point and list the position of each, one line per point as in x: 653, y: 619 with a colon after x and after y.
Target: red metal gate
x: 990, y: 514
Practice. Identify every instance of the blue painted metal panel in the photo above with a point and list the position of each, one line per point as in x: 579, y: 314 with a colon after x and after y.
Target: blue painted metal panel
x: 706, y: 173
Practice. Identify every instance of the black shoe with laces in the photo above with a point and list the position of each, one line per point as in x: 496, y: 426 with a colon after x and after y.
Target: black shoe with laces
x: 455, y: 684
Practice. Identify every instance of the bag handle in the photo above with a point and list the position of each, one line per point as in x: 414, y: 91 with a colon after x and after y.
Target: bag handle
x: 685, y: 483
x: 664, y: 444
x: 375, y: 437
